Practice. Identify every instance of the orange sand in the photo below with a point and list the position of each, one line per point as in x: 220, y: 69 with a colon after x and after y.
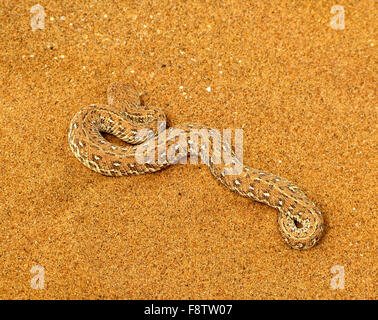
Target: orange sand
x: 304, y: 94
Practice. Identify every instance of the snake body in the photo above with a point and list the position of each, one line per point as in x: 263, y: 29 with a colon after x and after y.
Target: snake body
x: 300, y: 222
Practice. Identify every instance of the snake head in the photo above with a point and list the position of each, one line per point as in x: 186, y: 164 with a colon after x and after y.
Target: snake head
x: 120, y: 93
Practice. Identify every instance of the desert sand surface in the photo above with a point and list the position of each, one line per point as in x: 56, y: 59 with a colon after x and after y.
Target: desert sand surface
x: 303, y: 92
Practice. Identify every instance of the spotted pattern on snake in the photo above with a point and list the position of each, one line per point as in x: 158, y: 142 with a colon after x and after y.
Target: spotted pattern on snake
x: 299, y: 220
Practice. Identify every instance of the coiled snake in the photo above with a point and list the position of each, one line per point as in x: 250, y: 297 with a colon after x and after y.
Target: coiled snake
x: 300, y: 222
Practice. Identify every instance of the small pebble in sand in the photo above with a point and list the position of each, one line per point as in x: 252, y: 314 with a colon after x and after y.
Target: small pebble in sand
x: 208, y: 89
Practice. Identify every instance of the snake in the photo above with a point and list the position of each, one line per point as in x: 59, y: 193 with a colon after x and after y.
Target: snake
x: 125, y: 116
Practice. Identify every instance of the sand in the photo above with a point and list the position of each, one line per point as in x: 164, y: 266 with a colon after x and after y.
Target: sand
x: 304, y: 94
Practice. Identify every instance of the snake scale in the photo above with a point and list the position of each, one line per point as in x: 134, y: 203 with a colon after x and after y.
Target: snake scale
x: 300, y: 222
